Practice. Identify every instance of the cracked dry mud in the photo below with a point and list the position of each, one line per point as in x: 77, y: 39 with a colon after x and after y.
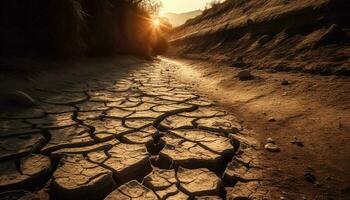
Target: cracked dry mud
x: 146, y: 136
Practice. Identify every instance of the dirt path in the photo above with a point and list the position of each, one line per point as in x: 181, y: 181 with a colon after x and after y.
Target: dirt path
x: 96, y: 136
x: 307, y: 117
x: 140, y: 135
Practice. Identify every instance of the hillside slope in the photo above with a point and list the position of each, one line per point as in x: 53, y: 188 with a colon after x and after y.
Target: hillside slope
x: 178, y: 19
x: 303, y: 35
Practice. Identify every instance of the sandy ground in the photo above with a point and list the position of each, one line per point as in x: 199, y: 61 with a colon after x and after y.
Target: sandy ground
x: 313, y: 110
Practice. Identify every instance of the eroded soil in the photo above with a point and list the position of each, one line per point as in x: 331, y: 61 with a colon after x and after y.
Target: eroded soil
x: 143, y: 135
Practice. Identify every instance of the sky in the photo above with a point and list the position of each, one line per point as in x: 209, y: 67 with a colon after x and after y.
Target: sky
x: 180, y: 6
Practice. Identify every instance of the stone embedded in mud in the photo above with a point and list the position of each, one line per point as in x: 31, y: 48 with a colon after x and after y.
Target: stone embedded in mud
x: 132, y: 190
x: 199, y: 182
x: 30, y: 173
x: 77, y: 178
x: 245, y: 75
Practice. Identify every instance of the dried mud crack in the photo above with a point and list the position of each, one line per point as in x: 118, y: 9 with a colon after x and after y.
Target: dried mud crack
x: 146, y: 136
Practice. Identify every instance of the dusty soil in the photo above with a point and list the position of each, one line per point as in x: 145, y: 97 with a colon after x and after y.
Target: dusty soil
x: 312, y: 109
x: 308, y: 36
x: 155, y: 128
x: 289, y: 47
x: 123, y: 129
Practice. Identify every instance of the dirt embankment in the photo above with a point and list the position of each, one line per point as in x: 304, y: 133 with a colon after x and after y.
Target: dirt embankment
x: 307, y: 117
x: 309, y: 36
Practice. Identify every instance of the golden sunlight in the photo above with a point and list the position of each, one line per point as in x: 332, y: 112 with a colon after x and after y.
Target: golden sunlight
x: 156, y: 23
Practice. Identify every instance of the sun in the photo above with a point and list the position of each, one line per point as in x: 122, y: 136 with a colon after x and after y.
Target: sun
x: 156, y: 23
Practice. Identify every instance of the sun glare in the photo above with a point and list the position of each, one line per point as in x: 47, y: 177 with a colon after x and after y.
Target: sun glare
x: 156, y: 23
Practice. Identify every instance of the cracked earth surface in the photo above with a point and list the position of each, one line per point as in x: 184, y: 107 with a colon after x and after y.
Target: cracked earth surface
x: 146, y: 136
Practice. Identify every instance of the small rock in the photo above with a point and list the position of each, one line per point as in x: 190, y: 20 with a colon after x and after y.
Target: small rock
x: 285, y: 82
x: 271, y: 119
x: 245, y: 75
x: 270, y: 140
x: 297, y: 142
x: 239, y: 63
x: 317, y: 184
x: 21, y: 98
x: 272, y: 147
x: 309, y: 177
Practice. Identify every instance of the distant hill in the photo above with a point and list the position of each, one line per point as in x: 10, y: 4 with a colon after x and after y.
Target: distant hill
x: 179, y: 19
